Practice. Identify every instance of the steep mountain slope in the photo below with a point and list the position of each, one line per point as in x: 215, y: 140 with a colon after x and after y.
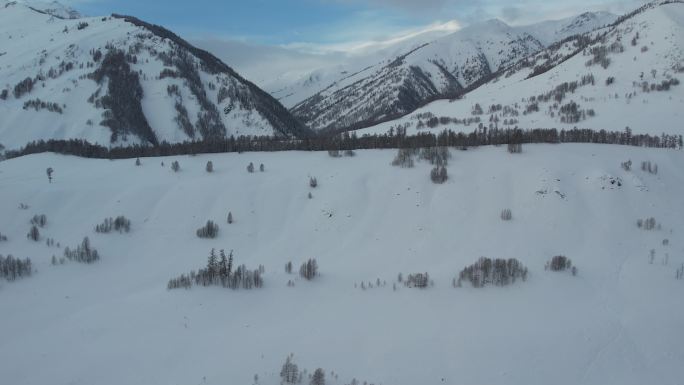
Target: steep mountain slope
x: 119, y: 80
x: 619, y: 321
x: 400, y: 85
x: 435, y: 69
x: 625, y: 75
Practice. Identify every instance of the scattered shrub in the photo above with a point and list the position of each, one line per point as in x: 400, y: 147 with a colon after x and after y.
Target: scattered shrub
x: 404, y: 158
x: 419, y: 280
x: 137, y: 162
x: 309, y: 269
x: 250, y: 167
x: 649, y: 167
x: 230, y: 218
x: 288, y: 267
x: 13, y: 268
x: 438, y: 156
x: 498, y: 272
x: 219, y: 272
x: 33, y: 234
x: 627, y: 166
x: 648, y: 224
x: 210, y: 167
x: 438, y: 175
x: 210, y: 230
x: 313, y: 182
x: 515, y: 148
x: 560, y: 263
x: 175, y: 166
x: 39, y: 220
x: 120, y: 224
x: 506, y: 215
x: 83, y: 253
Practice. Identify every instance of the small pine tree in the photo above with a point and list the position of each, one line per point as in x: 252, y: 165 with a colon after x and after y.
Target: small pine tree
x: 318, y: 377
x: 33, y: 234
x: 137, y: 162
x: 230, y: 218
x: 175, y: 166
x: 210, y: 167
x: 313, y: 182
x: 250, y: 167
x: 262, y: 168
x: 49, y: 172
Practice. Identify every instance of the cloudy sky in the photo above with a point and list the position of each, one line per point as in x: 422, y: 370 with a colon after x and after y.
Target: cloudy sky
x: 335, y: 23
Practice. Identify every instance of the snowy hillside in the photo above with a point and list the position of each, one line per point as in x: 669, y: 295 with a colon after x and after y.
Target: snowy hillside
x: 372, y: 91
x: 618, y: 321
x: 119, y: 80
x: 625, y: 75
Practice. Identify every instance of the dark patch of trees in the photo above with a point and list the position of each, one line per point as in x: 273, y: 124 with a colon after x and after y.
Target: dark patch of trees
x: 419, y: 280
x: 560, y: 263
x: 120, y: 224
x: 39, y: 220
x: 437, y: 156
x: 309, y: 269
x: 648, y: 224
x: 3, y: 238
x: 506, y: 215
x: 38, y: 105
x: 219, y: 272
x: 33, y: 234
x: 82, y: 25
x: 438, y: 174
x: 497, y: 272
x: 651, y: 168
x: 124, y: 112
x: 23, y: 87
x: 84, y: 253
x: 14, y: 268
x: 277, y: 115
x: 289, y: 373
x: 210, y: 230
x: 404, y: 158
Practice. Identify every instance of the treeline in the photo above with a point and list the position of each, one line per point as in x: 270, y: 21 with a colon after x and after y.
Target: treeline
x: 480, y: 137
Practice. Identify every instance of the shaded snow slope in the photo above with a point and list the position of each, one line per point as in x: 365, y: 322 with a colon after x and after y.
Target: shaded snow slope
x: 113, y: 322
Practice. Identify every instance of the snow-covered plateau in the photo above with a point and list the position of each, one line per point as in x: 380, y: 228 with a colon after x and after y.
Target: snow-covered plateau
x: 617, y: 321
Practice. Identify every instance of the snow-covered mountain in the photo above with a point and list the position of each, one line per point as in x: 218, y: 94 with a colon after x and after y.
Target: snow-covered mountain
x: 627, y: 74
x: 442, y: 68
x: 118, y: 80
x: 401, y: 84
